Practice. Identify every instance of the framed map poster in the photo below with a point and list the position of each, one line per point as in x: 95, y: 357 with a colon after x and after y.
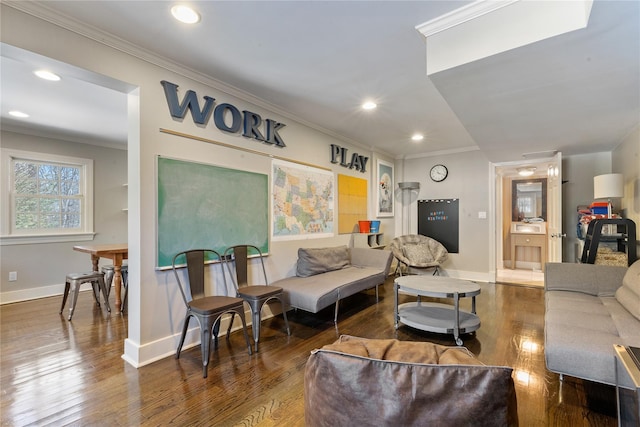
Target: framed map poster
x: 384, y: 188
x: 302, y: 201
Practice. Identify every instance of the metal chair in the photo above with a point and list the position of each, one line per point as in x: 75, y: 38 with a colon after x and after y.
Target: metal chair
x: 255, y: 295
x: 206, y: 309
x: 109, y: 272
x: 417, y: 254
x: 73, y: 282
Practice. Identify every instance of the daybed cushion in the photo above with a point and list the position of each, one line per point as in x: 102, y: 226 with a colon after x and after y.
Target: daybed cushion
x: 316, y: 292
x: 312, y: 261
x: 358, y: 381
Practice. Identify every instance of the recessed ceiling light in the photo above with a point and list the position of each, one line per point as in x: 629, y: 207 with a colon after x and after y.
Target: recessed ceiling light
x: 185, y: 14
x: 417, y: 137
x: 528, y: 171
x: 18, y: 114
x: 369, y: 105
x: 47, y: 75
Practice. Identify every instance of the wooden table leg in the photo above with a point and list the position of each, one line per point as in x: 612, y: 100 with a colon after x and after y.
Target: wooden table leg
x: 117, y: 279
x: 117, y: 283
x: 94, y: 262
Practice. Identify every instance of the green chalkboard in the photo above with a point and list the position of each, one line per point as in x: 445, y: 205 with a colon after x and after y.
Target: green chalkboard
x: 206, y: 206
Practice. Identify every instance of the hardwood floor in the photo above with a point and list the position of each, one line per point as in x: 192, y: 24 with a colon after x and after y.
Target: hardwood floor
x: 55, y: 372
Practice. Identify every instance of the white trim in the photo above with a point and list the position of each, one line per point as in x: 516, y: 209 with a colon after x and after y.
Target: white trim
x: 141, y: 355
x: 28, y: 239
x: 461, y: 15
x: 9, y: 236
x: 489, y: 27
x: 42, y: 11
x: 20, y: 295
x: 468, y: 275
x: 440, y: 153
x: 493, y: 215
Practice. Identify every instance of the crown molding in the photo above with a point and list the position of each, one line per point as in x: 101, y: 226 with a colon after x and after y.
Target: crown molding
x: 40, y: 10
x: 461, y: 15
x: 439, y: 153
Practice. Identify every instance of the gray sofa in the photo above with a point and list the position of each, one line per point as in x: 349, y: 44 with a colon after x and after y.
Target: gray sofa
x: 589, y: 308
x: 326, y: 275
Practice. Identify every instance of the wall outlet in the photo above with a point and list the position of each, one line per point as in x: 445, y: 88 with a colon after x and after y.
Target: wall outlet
x: 13, y: 276
x: 482, y: 215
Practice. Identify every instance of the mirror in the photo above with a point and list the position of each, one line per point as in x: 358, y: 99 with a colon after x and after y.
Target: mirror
x: 529, y: 199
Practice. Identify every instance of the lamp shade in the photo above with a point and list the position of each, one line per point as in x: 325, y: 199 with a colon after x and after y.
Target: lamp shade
x: 409, y: 185
x: 608, y: 186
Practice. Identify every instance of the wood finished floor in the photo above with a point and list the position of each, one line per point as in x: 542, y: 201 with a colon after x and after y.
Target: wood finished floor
x: 55, y: 372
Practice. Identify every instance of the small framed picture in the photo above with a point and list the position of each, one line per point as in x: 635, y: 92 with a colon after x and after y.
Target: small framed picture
x: 384, y: 188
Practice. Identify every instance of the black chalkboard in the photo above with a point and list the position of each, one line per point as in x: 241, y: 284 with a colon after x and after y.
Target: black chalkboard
x: 206, y: 206
x: 438, y: 219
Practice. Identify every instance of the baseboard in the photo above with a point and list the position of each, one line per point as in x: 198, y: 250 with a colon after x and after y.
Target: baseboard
x: 141, y: 355
x: 467, y: 275
x: 526, y: 265
x: 36, y: 293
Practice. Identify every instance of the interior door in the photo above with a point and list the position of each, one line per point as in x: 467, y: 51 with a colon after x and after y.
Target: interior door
x: 554, y: 209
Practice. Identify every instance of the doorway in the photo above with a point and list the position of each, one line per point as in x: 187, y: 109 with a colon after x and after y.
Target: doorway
x: 528, y: 211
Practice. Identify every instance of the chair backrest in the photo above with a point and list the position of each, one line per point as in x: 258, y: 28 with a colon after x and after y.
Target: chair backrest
x: 238, y: 256
x: 434, y: 248
x: 195, y: 260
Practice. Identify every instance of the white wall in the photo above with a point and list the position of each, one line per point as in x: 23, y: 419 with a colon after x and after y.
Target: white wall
x: 468, y: 181
x: 42, y: 268
x: 626, y: 160
x: 578, y: 172
x: 155, y: 310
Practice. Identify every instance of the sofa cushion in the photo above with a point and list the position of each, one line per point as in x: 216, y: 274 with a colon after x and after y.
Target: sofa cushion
x: 316, y: 292
x: 629, y: 293
x: 580, y: 352
x: 403, y: 351
x: 565, y: 301
x: 392, y: 383
x: 313, y: 261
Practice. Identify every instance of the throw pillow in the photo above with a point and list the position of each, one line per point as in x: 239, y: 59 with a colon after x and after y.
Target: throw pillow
x: 629, y: 293
x: 313, y: 261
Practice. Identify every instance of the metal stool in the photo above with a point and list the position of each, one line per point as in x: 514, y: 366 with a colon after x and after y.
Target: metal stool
x: 109, y: 272
x: 74, y: 280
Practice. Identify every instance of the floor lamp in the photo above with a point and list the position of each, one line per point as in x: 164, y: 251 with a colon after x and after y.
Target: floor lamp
x: 607, y: 187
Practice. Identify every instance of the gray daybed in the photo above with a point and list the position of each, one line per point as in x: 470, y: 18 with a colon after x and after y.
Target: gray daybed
x: 589, y: 308
x: 326, y: 275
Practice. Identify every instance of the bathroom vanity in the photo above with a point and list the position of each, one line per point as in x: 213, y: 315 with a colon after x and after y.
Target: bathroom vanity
x: 529, y: 234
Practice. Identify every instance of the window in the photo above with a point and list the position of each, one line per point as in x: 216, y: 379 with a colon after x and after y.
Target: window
x: 46, y: 198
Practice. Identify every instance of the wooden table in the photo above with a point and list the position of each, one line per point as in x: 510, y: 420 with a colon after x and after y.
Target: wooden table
x: 116, y: 253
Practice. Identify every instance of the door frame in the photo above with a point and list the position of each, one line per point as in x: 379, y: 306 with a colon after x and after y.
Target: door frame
x: 496, y: 191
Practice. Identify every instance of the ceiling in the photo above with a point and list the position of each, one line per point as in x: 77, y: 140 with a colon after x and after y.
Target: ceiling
x: 317, y: 61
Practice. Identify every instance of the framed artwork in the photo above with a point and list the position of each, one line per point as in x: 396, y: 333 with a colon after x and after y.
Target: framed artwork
x: 384, y: 188
x: 352, y: 202
x: 302, y: 201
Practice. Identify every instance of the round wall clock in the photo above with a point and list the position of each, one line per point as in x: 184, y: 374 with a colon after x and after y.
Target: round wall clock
x: 438, y: 173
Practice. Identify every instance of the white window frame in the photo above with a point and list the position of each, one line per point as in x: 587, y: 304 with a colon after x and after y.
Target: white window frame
x: 8, y: 234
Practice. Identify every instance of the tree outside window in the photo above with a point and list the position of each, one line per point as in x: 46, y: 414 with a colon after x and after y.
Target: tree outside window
x: 45, y: 198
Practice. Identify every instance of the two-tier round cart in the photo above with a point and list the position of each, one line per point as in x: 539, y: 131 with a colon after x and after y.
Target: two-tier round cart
x: 432, y: 316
